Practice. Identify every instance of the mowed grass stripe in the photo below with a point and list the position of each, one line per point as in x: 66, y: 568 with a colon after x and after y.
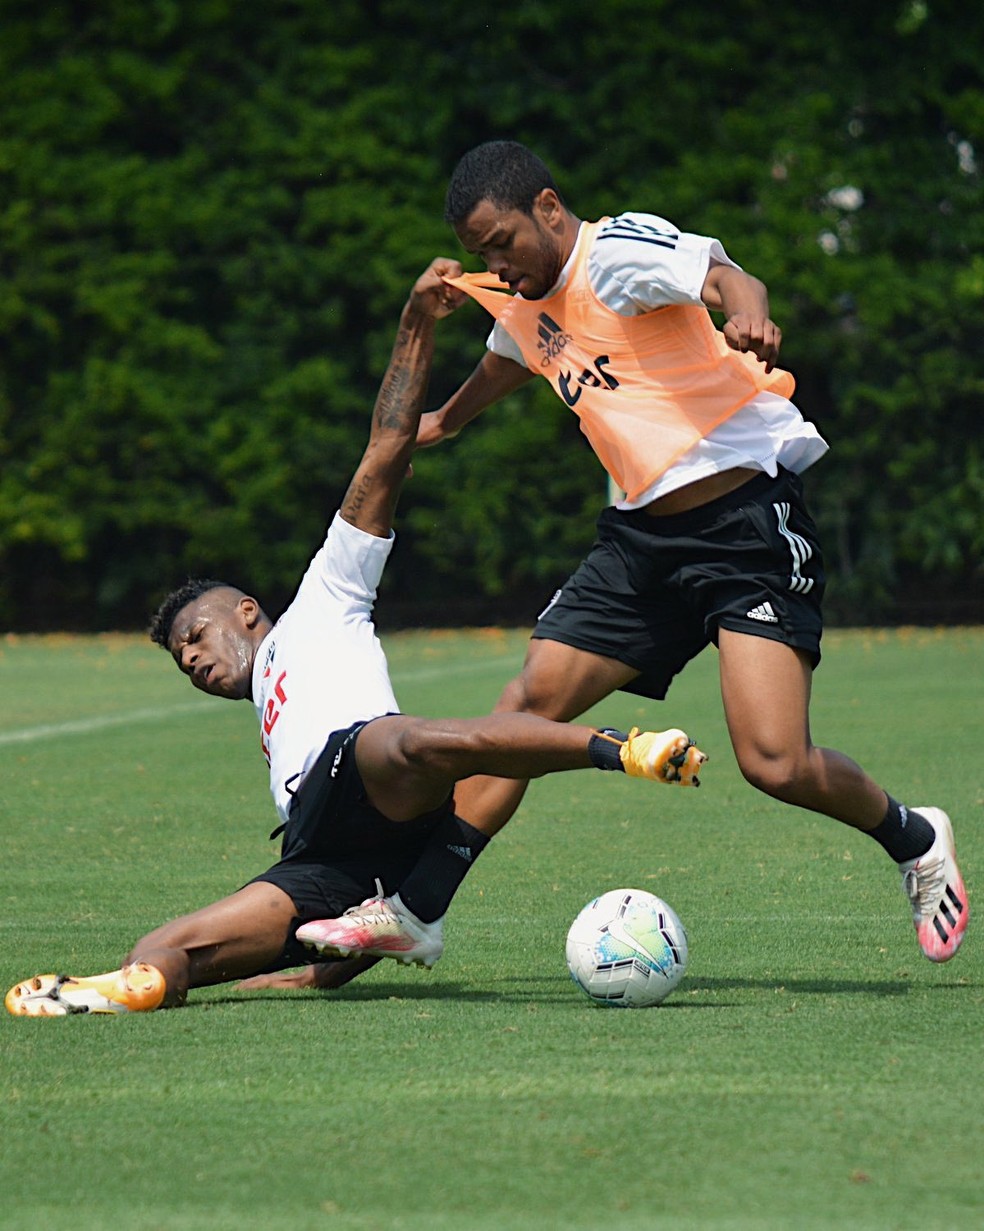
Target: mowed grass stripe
x: 101, y: 722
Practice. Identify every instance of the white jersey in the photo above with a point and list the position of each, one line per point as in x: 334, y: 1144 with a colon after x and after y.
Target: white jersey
x: 321, y: 666
x: 639, y: 262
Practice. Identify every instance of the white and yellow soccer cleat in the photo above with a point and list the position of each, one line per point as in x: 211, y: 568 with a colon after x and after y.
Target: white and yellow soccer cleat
x: 666, y: 756
x: 133, y: 989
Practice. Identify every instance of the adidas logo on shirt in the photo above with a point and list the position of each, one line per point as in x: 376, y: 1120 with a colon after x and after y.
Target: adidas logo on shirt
x: 764, y: 613
x: 553, y: 338
x: 462, y: 852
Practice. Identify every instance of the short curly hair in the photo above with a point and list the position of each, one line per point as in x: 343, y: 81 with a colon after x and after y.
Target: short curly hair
x: 503, y: 172
x: 163, y: 619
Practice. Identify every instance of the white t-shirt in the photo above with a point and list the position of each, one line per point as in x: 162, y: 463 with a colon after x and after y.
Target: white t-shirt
x: 639, y: 262
x: 321, y: 667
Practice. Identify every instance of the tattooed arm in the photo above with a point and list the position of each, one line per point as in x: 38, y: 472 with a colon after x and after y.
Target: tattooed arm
x: 371, y: 498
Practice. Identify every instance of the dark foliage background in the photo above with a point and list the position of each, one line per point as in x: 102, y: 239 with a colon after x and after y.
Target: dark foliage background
x: 210, y: 212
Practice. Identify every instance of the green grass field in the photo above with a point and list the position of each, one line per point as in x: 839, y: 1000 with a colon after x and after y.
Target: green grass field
x: 812, y: 1071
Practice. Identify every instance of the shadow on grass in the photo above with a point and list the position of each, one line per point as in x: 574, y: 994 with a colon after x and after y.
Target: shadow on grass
x: 558, y: 988
x: 370, y: 992
x: 818, y: 987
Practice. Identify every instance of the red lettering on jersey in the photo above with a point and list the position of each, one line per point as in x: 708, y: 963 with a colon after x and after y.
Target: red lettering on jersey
x: 272, y: 711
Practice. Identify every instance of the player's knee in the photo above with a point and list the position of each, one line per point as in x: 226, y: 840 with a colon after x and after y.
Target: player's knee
x: 428, y: 753
x: 412, y: 751
x: 513, y: 699
x: 176, y: 938
x: 423, y: 746
x: 526, y: 695
x: 778, y: 775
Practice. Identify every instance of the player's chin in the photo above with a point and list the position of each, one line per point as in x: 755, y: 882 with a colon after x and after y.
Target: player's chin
x: 530, y: 290
x: 230, y: 690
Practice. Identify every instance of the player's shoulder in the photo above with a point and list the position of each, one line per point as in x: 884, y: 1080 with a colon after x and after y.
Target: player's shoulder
x: 633, y: 245
x: 640, y: 261
x: 634, y: 228
x: 349, y: 564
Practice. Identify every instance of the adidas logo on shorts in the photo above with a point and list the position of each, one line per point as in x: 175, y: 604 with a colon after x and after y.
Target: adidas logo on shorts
x: 764, y: 613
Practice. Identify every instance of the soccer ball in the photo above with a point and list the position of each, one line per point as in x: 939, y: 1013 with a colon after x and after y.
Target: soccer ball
x: 627, y: 949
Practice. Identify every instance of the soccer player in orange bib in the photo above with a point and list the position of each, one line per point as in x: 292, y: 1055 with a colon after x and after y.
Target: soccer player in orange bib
x: 711, y: 541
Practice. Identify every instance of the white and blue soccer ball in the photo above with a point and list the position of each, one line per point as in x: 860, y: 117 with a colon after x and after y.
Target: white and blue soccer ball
x: 627, y: 949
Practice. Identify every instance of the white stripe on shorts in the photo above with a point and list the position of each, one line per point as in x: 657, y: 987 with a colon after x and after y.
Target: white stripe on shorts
x: 799, y: 548
x: 557, y: 594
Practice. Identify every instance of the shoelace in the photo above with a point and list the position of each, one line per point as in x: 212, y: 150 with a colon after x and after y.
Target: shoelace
x: 383, y: 911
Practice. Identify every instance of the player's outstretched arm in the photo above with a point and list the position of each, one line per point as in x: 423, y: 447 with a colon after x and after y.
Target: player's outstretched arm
x: 371, y: 498
x: 323, y: 976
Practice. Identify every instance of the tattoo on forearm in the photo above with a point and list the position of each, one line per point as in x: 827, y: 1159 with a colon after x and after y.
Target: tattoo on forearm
x: 372, y: 493
x: 395, y: 404
x: 357, y: 494
x: 402, y: 391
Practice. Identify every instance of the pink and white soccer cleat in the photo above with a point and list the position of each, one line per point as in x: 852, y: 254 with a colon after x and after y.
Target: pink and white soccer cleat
x: 934, y: 886
x: 380, y: 927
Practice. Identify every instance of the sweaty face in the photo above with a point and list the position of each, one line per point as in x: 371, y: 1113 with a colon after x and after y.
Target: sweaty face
x: 522, y: 250
x: 211, y: 644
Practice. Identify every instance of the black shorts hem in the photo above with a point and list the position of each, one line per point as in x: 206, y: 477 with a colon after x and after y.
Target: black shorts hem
x: 317, y: 892
x: 582, y: 643
x: 642, y: 685
x: 805, y: 643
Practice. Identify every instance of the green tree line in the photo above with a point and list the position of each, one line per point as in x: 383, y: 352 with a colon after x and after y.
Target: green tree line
x: 211, y: 211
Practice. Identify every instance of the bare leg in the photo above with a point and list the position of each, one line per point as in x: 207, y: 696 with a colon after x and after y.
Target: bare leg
x: 230, y: 939
x: 556, y: 682
x: 766, y: 687
x: 410, y: 765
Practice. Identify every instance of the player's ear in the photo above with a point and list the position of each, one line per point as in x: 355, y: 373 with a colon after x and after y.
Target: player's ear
x: 251, y: 610
x: 547, y: 206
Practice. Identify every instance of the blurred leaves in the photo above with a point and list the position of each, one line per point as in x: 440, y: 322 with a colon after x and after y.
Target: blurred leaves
x: 210, y: 214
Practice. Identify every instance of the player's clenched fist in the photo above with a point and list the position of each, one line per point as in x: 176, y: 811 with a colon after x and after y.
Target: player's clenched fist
x: 431, y: 295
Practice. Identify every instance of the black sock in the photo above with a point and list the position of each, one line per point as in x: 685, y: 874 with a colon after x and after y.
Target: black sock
x: 903, y: 833
x: 445, y: 862
x: 604, y: 752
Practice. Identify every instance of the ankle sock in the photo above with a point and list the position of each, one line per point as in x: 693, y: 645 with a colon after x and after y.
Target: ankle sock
x: 444, y: 863
x: 604, y: 751
x: 903, y: 833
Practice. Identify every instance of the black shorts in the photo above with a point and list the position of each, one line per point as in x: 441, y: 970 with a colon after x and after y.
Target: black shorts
x: 336, y: 844
x: 654, y: 591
